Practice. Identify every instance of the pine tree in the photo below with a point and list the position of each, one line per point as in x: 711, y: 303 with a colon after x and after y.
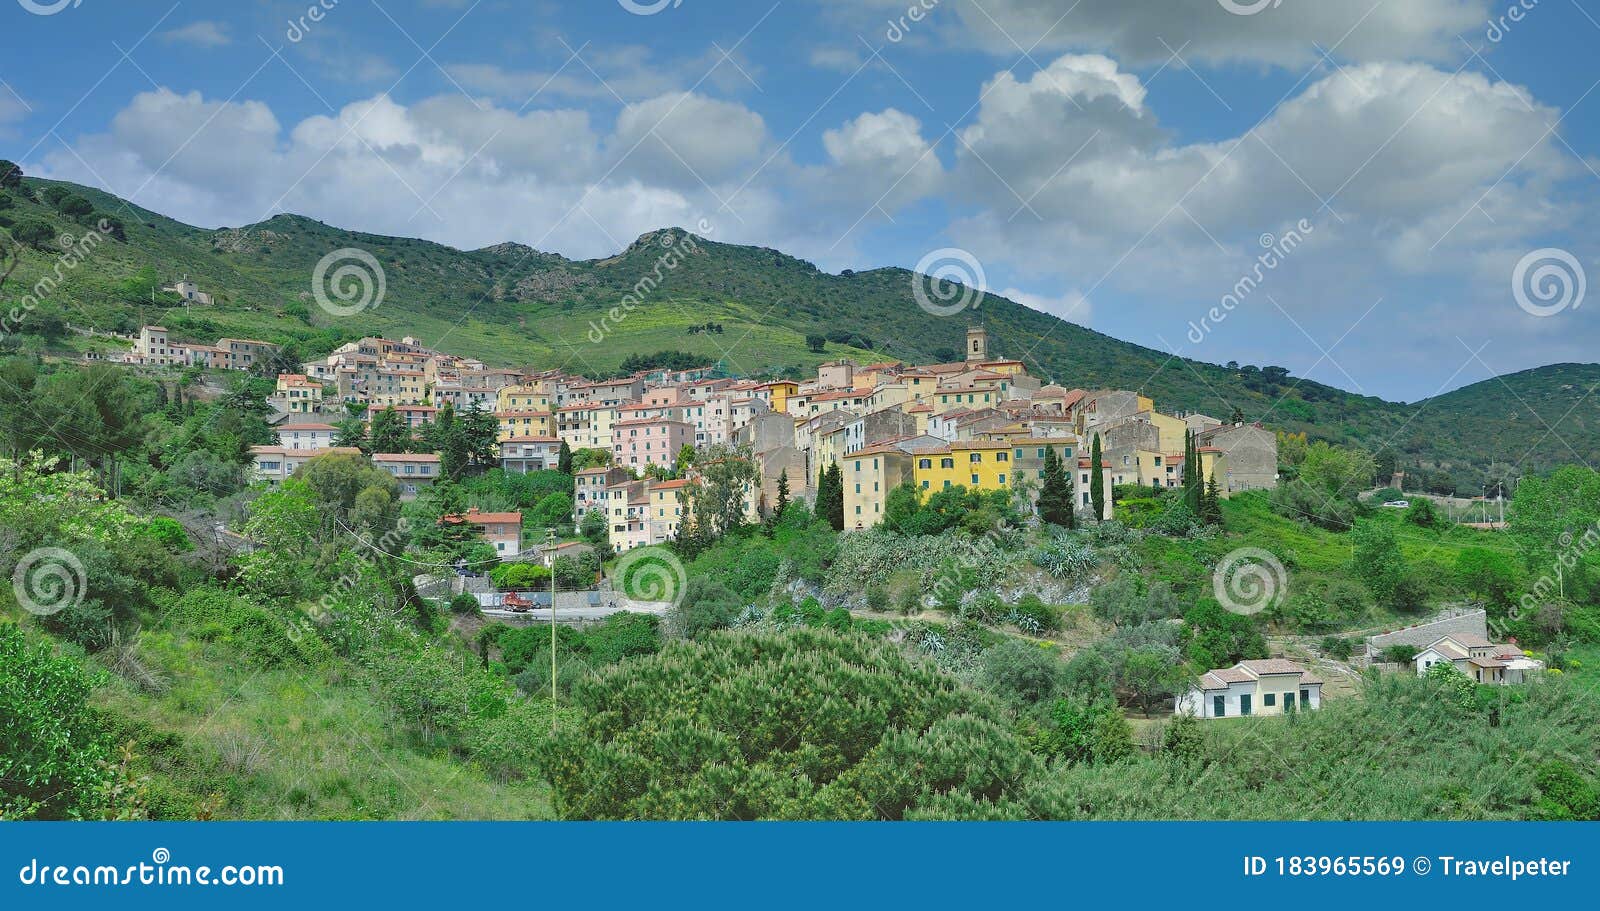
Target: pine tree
x: 564, y: 459
x: 450, y: 440
x: 352, y: 432
x: 1055, y: 491
x: 482, y: 435
x: 1097, y: 481
x: 388, y: 433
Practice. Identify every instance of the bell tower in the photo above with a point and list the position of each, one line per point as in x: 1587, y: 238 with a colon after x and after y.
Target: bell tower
x: 977, y: 344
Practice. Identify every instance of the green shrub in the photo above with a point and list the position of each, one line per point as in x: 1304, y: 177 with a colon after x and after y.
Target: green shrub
x: 804, y: 724
x: 52, y: 752
x: 261, y: 635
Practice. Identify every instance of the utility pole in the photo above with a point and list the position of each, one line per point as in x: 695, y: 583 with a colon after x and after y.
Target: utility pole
x: 550, y: 558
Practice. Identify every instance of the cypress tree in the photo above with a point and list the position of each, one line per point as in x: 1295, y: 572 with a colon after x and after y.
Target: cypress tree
x: 564, y: 459
x: 1097, y: 481
x: 783, y: 493
x: 830, y: 496
x: 1193, y: 485
x: 1211, y: 503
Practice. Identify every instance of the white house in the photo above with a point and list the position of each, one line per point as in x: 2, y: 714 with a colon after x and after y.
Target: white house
x: 1478, y: 658
x: 306, y: 436
x: 1267, y: 686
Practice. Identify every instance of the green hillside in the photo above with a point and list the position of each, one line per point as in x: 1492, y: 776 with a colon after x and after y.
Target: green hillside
x: 512, y: 305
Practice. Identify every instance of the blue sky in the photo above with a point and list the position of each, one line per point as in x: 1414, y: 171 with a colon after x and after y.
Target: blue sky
x: 1125, y: 165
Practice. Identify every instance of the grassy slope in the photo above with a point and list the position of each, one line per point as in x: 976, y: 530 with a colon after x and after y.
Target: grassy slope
x: 235, y: 742
x: 1316, y: 560
x: 512, y: 305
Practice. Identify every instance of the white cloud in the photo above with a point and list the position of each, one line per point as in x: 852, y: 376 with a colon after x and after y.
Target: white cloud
x: 684, y: 139
x: 1148, y: 31
x: 879, y: 159
x: 204, y: 34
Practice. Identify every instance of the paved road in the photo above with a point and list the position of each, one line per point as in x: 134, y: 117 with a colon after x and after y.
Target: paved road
x: 567, y: 614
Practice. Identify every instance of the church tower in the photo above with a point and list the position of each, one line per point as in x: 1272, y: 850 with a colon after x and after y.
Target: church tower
x: 977, y: 344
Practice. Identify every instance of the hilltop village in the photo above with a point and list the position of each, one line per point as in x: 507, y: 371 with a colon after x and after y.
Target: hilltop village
x: 982, y: 423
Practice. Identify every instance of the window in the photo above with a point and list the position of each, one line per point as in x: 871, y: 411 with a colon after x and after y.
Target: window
x: 1269, y: 699
x: 974, y: 480
x: 924, y: 463
x: 1244, y: 703
x: 1002, y: 457
x: 975, y: 457
x: 1219, y: 706
x: 1305, y: 697
x: 1288, y: 701
x: 1002, y: 480
x: 947, y: 463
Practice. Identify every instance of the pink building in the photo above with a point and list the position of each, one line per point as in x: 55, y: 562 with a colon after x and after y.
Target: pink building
x: 649, y: 441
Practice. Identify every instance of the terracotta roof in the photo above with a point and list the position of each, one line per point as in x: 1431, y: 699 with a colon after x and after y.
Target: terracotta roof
x: 531, y: 440
x: 307, y: 453
x: 486, y: 518
x: 308, y: 427
x: 670, y: 485
x: 1271, y: 666
x: 405, y: 457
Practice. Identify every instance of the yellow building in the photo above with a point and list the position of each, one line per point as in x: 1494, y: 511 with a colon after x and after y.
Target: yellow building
x: 302, y: 395
x: 524, y: 424
x: 973, y: 464
x: 778, y: 393
x: 870, y: 474
x: 868, y: 477
x: 827, y: 448
x: 522, y: 398
x: 1172, y: 430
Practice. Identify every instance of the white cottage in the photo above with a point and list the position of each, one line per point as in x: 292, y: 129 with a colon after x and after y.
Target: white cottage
x: 1478, y: 658
x: 1267, y: 686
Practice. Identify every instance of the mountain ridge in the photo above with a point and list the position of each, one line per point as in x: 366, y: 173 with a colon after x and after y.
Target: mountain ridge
x: 751, y: 308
